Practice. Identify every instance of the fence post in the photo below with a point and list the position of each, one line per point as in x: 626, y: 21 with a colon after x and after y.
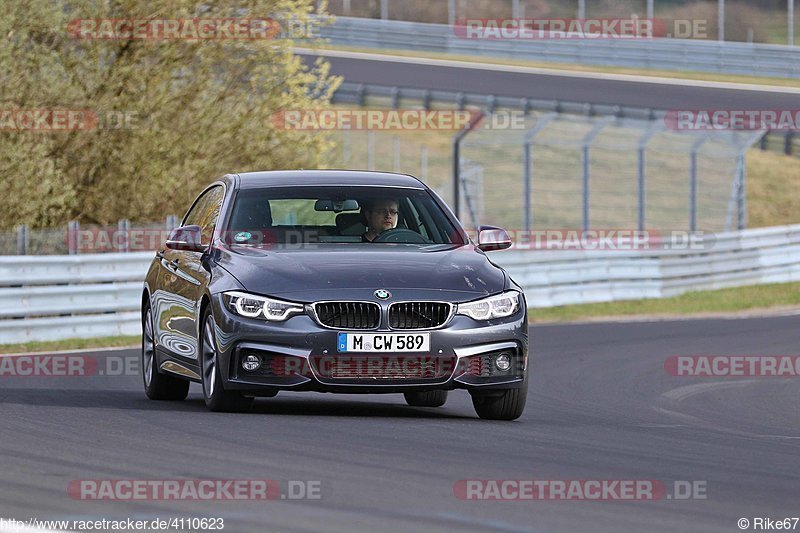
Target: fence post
x: 124, y: 228
x: 451, y: 12
x: 742, y: 193
x: 423, y: 163
x: 585, y: 153
x: 370, y: 150
x: 456, y: 143
x: 73, y: 228
x: 642, y: 172
x: 527, y: 174
x: 693, y: 183
x: 527, y: 203
x: 23, y: 239
x: 396, y: 154
x: 346, y: 147
x: 171, y: 222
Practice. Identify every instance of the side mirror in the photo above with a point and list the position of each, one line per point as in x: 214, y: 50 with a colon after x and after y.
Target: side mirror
x: 187, y: 239
x: 491, y: 238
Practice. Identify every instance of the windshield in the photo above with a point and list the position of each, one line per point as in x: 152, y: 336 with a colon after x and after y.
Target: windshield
x: 304, y: 215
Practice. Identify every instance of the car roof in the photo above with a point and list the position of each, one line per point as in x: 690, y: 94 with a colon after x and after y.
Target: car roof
x: 284, y: 178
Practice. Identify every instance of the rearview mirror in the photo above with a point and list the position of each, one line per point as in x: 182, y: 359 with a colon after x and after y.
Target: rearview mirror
x: 187, y: 239
x: 492, y: 238
x: 337, y: 206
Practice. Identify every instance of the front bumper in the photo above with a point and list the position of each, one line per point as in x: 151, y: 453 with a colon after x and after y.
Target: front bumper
x: 299, y: 354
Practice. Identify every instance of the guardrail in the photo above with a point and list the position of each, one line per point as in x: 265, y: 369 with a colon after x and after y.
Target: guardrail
x: 45, y: 298
x: 748, y: 257
x: 665, y: 54
x: 56, y: 297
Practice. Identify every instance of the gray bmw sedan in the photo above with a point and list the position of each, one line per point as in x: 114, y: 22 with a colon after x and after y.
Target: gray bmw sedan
x: 332, y: 281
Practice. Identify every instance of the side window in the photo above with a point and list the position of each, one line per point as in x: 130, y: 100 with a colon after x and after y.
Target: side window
x: 205, y: 212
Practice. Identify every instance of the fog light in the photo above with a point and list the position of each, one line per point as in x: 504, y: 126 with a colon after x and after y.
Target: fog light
x: 502, y: 361
x: 251, y: 363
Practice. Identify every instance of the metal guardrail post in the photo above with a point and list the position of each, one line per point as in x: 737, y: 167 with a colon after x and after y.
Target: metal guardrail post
x: 171, y: 222
x: 491, y: 103
x: 23, y: 239
x: 73, y: 229
x: 457, y: 138
x: 787, y: 143
x: 361, y: 95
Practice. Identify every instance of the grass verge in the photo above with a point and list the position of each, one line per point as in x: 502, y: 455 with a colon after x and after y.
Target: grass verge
x: 752, y: 298
x: 71, y: 344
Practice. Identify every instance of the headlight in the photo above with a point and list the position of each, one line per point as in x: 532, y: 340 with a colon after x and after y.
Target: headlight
x: 499, y: 306
x: 252, y: 306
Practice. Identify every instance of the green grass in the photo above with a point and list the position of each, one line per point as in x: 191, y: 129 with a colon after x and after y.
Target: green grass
x: 71, y: 344
x: 756, y: 297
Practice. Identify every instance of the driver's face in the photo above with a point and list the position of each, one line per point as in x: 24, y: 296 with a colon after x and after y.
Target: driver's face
x: 383, y: 216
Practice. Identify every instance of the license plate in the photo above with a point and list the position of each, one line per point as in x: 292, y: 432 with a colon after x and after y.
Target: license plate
x: 384, y: 342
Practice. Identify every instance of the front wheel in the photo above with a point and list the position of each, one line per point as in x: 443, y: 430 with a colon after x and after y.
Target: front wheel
x: 501, y: 405
x: 216, y: 397
x: 157, y: 386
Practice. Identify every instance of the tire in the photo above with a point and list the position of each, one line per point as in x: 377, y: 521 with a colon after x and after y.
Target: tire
x: 157, y: 386
x: 216, y: 397
x: 433, y: 398
x: 501, y: 405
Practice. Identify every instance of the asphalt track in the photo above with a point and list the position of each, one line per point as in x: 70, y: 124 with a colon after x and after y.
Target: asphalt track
x: 629, y: 91
x: 601, y: 406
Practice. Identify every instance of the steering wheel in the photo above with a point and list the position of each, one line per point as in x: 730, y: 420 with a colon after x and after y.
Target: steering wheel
x: 401, y: 235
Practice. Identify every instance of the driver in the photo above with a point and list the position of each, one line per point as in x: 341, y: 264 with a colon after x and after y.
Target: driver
x: 380, y: 216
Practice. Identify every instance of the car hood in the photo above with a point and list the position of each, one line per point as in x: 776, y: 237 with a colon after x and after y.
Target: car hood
x: 354, y: 270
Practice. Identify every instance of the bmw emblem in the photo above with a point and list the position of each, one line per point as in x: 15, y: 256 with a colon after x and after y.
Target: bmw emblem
x: 383, y: 294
